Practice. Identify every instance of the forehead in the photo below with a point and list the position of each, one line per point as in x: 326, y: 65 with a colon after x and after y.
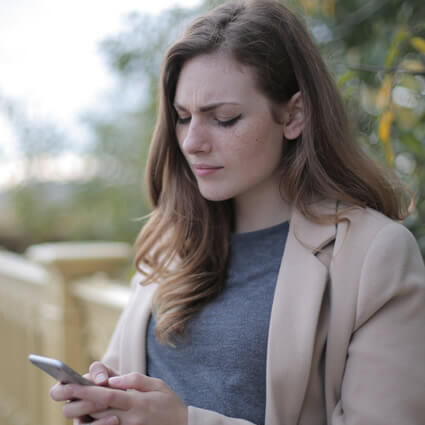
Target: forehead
x: 215, y: 77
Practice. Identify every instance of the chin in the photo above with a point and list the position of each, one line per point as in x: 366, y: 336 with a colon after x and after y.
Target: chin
x: 215, y: 196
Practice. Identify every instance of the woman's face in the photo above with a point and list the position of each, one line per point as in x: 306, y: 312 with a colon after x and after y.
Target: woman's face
x: 226, y: 131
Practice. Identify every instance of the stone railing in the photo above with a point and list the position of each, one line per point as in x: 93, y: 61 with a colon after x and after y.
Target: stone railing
x: 59, y: 300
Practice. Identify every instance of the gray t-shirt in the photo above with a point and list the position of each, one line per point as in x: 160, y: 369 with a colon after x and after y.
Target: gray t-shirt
x: 220, y: 362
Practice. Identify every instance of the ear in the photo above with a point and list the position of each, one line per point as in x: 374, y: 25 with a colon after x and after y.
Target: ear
x: 294, y: 117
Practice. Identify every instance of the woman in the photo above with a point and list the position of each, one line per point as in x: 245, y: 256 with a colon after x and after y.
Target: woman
x: 275, y: 285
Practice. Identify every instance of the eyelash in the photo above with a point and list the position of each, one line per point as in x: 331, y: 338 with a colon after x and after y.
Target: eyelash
x: 228, y: 123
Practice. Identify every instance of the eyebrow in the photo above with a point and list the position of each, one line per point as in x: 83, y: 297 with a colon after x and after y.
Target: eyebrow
x: 208, y: 107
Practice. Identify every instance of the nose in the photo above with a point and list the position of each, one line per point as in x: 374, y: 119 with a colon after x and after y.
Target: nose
x: 194, y: 138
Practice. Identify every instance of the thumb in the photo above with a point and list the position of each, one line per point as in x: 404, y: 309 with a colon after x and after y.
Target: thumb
x: 99, y: 373
x: 137, y: 381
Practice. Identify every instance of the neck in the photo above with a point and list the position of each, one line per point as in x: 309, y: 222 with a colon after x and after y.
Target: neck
x: 258, y: 212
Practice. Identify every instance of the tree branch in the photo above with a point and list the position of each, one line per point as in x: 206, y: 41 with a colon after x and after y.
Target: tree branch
x: 373, y: 68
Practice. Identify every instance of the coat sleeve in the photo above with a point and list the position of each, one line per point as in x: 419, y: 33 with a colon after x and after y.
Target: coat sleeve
x: 384, y: 378
x: 111, y: 357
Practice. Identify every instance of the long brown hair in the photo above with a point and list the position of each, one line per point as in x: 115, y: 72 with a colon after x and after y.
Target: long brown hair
x: 184, y: 243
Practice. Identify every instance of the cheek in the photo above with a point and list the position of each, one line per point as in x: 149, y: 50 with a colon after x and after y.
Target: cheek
x: 258, y: 142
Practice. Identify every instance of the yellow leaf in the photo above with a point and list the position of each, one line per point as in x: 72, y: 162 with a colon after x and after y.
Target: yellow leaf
x: 412, y: 65
x: 418, y: 43
x: 328, y: 7
x: 384, y: 94
x: 384, y: 132
x: 385, y: 123
x: 389, y: 153
x: 309, y: 5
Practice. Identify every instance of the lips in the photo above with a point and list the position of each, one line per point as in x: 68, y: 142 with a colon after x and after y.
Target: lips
x: 205, y: 169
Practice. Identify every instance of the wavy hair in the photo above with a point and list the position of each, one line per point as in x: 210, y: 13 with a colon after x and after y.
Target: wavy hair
x: 184, y: 243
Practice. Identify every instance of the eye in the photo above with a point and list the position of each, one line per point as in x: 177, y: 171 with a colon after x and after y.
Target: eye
x: 229, y: 123
x: 182, y: 121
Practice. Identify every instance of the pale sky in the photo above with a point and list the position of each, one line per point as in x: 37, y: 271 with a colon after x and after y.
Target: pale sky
x: 42, y: 46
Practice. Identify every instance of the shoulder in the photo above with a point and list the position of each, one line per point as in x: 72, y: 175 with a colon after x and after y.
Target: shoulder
x: 366, y: 238
x: 372, y: 236
x: 362, y: 227
x: 378, y: 256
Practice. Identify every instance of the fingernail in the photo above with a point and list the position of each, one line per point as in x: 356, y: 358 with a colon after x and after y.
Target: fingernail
x: 114, y: 380
x: 113, y: 420
x: 101, y: 377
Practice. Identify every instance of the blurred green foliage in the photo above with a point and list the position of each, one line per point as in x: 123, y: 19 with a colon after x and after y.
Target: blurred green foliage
x: 376, y: 50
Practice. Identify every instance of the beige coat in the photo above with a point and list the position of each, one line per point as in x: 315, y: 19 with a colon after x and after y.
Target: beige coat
x: 344, y: 350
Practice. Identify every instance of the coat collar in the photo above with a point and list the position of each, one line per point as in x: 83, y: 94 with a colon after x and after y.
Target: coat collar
x: 295, y: 313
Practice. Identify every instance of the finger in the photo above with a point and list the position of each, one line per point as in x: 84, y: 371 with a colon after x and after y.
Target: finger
x: 105, y: 413
x: 100, y: 373
x: 78, y: 408
x: 100, y: 395
x: 137, y: 381
x: 109, y: 420
x: 59, y: 392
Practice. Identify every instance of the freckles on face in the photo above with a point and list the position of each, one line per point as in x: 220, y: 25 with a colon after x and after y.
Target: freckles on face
x: 258, y: 139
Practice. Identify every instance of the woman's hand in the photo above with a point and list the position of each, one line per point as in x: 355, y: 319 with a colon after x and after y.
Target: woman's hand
x: 144, y: 401
x: 100, y: 373
x: 82, y: 409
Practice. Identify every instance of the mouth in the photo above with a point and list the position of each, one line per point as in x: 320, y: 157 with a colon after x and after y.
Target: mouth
x: 205, y: 170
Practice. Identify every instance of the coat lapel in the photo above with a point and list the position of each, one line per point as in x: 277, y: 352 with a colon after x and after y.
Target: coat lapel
x: 296, y: 307
x: 135, y: 331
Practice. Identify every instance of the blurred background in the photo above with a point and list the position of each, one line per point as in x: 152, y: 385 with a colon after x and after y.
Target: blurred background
x: 78, y: 84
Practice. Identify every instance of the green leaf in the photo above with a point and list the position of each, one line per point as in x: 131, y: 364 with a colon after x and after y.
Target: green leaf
x: 394, y: 50
x: 346, y: 77
x: 412, y: 144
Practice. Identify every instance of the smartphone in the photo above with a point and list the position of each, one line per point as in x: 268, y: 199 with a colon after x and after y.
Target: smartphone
x: 58, y: 370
